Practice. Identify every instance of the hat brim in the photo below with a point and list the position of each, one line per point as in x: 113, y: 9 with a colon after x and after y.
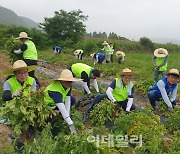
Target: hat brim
x: 128, y: 74
x: 159, y: 55
x: 23, y: 38
x: 76, y: 52
x: 172, y: 74
x: 29, y: 68
x: 69, y: 79
x: 105, y: 44
x: 118, y: 54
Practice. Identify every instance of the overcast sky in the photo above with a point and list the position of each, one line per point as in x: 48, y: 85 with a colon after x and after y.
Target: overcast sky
x: 128, y: 18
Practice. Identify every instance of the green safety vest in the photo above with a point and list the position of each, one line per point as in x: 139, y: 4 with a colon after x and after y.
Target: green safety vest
x: 121, y: 93
x: 56, y: 87
x: 159, y: 61
x: 31, y: 52
x: 123, y: 54
x: 81, y: 51
x: 15, y: 85
x: 78, y: 68
x: 107, y: 49
x: 111, y: 50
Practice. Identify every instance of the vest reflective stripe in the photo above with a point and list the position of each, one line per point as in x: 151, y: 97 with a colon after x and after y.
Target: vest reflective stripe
x: 31, y: 52
x: 56, y: 87
x: 160, y: 61
x: 78, y: 68
x: 121, y: 93
x: 15, y: 85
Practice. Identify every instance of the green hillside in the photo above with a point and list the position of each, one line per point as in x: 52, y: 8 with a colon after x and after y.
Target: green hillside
x: 8, y: 17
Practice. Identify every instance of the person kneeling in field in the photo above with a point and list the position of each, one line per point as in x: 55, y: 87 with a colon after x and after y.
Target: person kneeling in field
x: 18, y: 81
x: 79, y: 54
x: 58, y: 94
x: 98, y: 57
x: 120, y: 92
x: 163, y: 88
x: 87, y: 73
x: 121, y: 56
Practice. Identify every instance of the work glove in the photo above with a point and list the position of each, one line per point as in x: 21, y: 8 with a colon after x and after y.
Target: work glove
x: 73, y: 129
x: 170, y: 109
x: 17, y: 93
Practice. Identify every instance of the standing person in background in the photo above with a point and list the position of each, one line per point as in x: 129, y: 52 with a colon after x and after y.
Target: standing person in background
x: 58, y: 95
x: 111, y: 51
x: 29, y: 53
x: 19, y: 79
x: 86, y: 73
x: 121, y: 56
x: 160, y: 60
x: 98, y: 57
x: 120, y: 92
x: 79, y: 53
x: 106, y: 48
x: 166, y: 88
x: 57, y: 49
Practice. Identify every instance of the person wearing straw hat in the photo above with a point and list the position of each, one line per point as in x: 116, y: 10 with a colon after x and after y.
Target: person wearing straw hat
x: 121, y: 56
x: 79, y: 53
x: 120, y: 92
x: 98, y: 57
x: 58, y: 94
x: 165, y: 89
x: 86, y: 73
x: 159, y: 61
x: 19, y: 83
x: 29, y: 52
x: 106, y: 48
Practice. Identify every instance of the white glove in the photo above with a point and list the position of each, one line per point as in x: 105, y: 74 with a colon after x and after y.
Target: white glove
x: 18, y: 51
x: 17, y: 93
x: 73, y: 129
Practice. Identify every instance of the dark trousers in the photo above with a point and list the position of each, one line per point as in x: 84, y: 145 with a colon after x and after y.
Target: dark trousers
x: 31, y: 74
x: 153, y: 98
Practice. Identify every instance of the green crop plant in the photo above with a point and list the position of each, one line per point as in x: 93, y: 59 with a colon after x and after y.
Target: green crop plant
x: 11, y: 45
x: 173, y: 122
x: 25, y: 111
x: 139, y: 123
x: 103, y: 112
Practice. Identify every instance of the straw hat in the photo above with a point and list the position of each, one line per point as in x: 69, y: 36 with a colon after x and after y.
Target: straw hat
x: 127, y: 71
x: 23, y: 35
x: 92, y: 55
x: 160, y: 52
x: 104, y: 43
x: 20, y: 65
x: 77, y: 52
x: 66, y: 75
x: 118, y: 53
x: 174, y: 72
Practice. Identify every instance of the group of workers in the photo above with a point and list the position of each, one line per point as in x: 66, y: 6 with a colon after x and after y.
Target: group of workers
x: 58, y: 93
